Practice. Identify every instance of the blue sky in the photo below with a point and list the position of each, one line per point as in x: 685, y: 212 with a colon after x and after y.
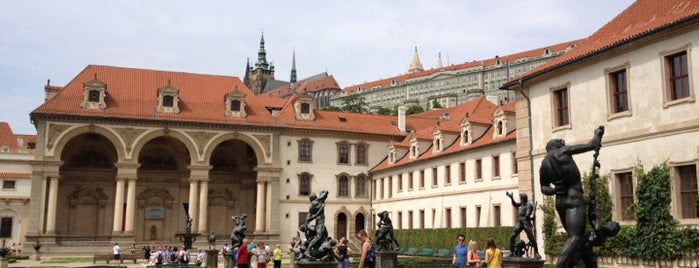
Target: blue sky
x: 356, y: 41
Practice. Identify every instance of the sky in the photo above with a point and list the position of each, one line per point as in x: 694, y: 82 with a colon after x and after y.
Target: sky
x: 355, y: 41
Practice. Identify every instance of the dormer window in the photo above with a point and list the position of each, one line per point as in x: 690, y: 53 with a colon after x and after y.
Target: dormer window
x: 303, y: 107
x: 500, y: 122
x: 235, y: 104
x: 94, y: 95
x: 437, y: 142
x: 168, y: 99
x: 498, y: 128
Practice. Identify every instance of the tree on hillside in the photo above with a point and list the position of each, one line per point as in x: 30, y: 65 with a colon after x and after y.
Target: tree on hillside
x: 415, y: 109
x: 384, y: 111
x: 354, y: 104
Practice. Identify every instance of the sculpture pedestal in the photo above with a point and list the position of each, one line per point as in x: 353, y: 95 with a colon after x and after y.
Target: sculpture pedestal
x: 315, y: 264
x: 211, y: 258
x: 510, y: 262
x: 386, y: 259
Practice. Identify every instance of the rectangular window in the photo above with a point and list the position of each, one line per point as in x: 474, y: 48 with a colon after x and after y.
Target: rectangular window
x: 400, y: 220
x: 434, y: 176
x: 515, y: 165
x: 688, y: 191
x: 462, y: 216
x: 8, y: 184
x: 619, y: 90
x: 361, y: 185
x: 343, y: 153
x: 625, y: 182
x: 479, y: 170
x: 560, y: 103
x: 361, y: 154
x: 678, y: 74
x: 302, y: 218
x: 304, y: 151
x: 400, y: 182
x: 478, y: 216
x: 496, y: 216
x: 305, y: 184
x: 422, y: 179
x: 447, y: 218
x: 390, y: 187
x: 410, y: 181
x: 462, y: 172
x: 496, y: 166
x: 343, y: 187
x: 447, y: 174
x: 422, y: 219
x: 381, y: 190
x: 6, y: 227
x: 410, y: 219
x: 434, y: 218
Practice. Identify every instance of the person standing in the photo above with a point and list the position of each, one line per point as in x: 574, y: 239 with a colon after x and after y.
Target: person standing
x: 200, y: 257
x: 472, y: 257
x: 262, y: 255
x: 242, y: 260
x: 277, y: 256
x: 115, y: 250
x: 493, y: 255
x: 342, y: 252
x: 367, y: 258
x: 460, y: 250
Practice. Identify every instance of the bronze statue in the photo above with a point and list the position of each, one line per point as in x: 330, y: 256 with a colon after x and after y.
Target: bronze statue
x: 212, y: 240
x: 384, y: 233
x: 238, y: 233
x: 315, y: 247
x: 560, y: 176
x: 524, y: 223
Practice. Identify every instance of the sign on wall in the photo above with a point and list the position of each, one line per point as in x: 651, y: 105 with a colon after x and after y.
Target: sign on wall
x: 155, y: 213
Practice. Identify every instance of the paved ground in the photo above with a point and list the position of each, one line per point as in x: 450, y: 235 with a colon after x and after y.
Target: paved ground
x: 56, y: 261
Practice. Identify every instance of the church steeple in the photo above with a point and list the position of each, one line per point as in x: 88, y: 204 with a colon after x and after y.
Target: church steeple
x: 246, y: 78
x: 293, y: 68
x: 262, y: 55
x: 415, y: 66
x: 439, y: 60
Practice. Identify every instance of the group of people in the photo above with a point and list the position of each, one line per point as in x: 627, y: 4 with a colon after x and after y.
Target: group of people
x: 15, y: 249
x: 467, y: 255
x: 246, y: 253
x: 163, y: 254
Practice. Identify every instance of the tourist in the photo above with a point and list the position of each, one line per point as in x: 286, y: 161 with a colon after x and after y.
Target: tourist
x: 262, y: 255
x: 342, y: 252
x: 200, y: 257
x: 146, y: 254
x: 472, y: 257
x: 277, y: 256
x: 367, y: 258
x: 493, y: 256
x: 243, y: 259
x: 460, y: 250
x: 116, y: 249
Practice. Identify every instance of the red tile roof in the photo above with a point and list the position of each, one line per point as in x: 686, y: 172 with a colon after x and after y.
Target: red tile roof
x: 479, y: 110
x: 15, y: 175
x: 304, y: 86
x: 9, y: 139
x: 486, y: 63
x: 640, y: 19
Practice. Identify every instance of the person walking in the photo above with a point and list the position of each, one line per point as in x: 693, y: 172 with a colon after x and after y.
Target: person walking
x: 460, y: 251
x: 493, y: 255
x: 277, y: 256
x: 367, y: 258
x: 342, y: 252
x: 472, y: 257
x: 243, y: 260
x: 115, y: 250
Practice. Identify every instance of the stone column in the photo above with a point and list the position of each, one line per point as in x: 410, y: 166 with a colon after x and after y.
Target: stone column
x: 118, y: 205
x: 130, y: 205
x: 268, y: 206
x: 52, y: 200
x: 203, y: 205
x: 260, y: 207
x: 193, y: 187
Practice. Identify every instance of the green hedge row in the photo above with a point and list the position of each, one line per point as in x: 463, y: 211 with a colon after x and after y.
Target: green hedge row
x: 447, y: 238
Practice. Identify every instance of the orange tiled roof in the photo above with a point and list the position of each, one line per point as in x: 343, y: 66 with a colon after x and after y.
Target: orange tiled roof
x: 486, y: 63
x: 640, y: 19
x: 9, y: 139
x: 479, y: 110
x: 15, y: 175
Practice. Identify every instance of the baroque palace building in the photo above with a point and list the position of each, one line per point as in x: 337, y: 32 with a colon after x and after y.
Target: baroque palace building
x: 637, y: 77
x: 451, y: 85
x: 16, y: 155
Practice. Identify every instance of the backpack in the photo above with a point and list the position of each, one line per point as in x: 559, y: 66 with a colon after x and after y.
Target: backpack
x: 159, y: 258
x: 173, y: 257
x: 371, y: 256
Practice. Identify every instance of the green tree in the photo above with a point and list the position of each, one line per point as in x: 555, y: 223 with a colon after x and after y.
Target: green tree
x: 553, y: 240
x: 436, y: 105
x: 332, y: 108
x: 656, y: 235
x: 414, y: 109
x: 384, y: 111
x: 354, y: 104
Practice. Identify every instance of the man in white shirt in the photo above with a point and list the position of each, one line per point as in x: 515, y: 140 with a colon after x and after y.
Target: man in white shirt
x: 115, y: 249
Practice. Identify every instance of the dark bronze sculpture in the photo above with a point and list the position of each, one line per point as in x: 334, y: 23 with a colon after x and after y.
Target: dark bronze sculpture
x: 384, y: 233
x: 560, y: 176
x: 238, y: 233
x: 317, y: 246
x: 212, y: 240
x: 524, y: 223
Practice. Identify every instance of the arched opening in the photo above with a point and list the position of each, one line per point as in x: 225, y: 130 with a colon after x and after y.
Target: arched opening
x: 359, y: 222
x: 341, y: 225
x: 232, y: 186
x: 86, y: 176
x: 162, y: 189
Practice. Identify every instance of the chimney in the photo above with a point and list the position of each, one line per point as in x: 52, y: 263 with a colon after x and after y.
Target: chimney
x: 401, y: 118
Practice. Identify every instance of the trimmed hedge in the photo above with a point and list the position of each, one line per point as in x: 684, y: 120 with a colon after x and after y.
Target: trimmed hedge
x: 446, y: 238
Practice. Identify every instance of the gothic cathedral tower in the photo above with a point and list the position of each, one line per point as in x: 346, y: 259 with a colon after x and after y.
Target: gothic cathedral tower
x: 256, y: 76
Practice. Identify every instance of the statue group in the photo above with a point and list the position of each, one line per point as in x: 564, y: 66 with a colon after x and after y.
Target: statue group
x: 317, y: 246
x: 384, y: 233
x: 238, y: 233
x: 560, y: 176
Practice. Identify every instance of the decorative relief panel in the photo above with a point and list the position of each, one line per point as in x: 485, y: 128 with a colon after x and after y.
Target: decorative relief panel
x: 129, y: 134
x: 201, y: 138
x: 54, y: 131
x: 266, y: 142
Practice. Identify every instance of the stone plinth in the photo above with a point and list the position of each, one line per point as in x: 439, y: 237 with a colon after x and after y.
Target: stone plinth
x: 510, y: 262
x: 211, y: 258
x: 386, y: 259
x: 316, y: 264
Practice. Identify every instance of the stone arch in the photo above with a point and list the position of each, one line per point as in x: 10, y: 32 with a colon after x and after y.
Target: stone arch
x: 66, y: 136
x: 144, y: 139
x: 254, y: 142
x: 342, y: 219
x: 359, y: 220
